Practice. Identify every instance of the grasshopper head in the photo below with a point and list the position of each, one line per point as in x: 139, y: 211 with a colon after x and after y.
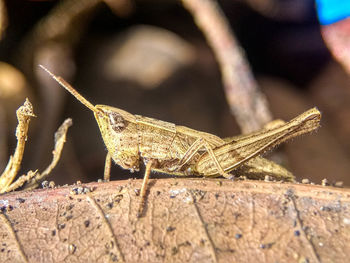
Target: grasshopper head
x: 118, y: 132
x: 117, y: 128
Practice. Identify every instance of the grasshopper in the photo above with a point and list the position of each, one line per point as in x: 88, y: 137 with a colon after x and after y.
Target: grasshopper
x: 178, y: 150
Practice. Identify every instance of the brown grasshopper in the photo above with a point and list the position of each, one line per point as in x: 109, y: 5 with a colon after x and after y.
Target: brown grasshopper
x: 167, y: 148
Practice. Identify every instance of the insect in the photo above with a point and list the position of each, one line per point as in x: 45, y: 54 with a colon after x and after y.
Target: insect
x: 178, y: 150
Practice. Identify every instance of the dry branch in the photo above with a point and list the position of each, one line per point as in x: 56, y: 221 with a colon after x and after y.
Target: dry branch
x: 247, y: 103
x: 186, y: 220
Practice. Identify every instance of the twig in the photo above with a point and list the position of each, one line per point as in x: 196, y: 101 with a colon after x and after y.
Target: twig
x: 247, y: 103
x: 3, y: 18
x: 60, y: 139
x: 24, y: 113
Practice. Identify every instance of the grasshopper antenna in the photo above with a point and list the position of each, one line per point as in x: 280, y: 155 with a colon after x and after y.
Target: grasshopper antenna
x: 68, y: 87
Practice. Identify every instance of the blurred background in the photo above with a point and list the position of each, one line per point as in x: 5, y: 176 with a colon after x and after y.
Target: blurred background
x: 150, y: 58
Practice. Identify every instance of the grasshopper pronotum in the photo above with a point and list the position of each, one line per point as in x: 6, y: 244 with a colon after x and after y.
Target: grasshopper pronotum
x: 167, y: 148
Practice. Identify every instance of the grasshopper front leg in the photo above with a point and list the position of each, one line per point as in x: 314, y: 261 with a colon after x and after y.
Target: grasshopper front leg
x: 107, y: 171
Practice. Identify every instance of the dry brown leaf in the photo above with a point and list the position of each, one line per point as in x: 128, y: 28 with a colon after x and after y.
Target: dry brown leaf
x: 186, y: 220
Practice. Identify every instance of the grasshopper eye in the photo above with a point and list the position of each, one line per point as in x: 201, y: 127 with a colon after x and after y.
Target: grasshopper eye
x: 117, y: 121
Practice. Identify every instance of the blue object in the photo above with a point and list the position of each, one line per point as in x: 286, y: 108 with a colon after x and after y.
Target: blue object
x: 331, y: 11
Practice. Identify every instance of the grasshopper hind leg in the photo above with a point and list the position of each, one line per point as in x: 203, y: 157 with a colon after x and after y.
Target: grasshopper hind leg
x: 195, y: 148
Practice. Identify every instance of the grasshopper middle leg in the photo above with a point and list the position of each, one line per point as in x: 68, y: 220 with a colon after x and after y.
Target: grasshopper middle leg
x: 149, y: 166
